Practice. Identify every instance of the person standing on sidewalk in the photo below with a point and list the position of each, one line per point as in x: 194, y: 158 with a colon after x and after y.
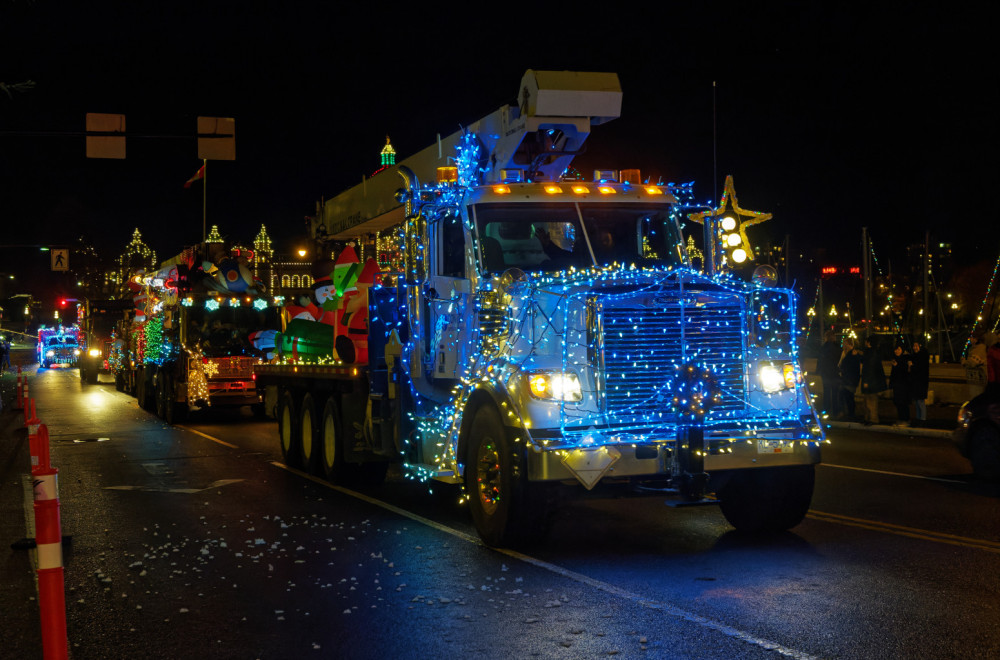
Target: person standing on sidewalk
x: 826, y: 365
x: 872, y: 380
x: 920, y: 380
x: 850, y: 377
x: 899, y: 381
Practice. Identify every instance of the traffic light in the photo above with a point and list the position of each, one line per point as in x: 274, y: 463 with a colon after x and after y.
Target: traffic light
x: 62, y: 303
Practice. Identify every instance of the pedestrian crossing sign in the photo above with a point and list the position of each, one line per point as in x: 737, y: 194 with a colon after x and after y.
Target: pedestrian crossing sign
x: 60, y: 259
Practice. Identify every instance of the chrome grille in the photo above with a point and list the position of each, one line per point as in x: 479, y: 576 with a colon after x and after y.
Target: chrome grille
x: 642, y: 347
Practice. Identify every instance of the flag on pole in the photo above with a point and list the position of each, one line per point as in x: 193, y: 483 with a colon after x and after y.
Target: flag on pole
x: 200, y: 174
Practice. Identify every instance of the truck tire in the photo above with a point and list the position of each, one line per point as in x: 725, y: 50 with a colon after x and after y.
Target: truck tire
x: 288, y: 432
x: 92, y: 375
x: 768, y: 499
x: 176, y: 411
x: 984, y: 452
x: 144, y: 391
x: 330, y: 445
x: 309, y: 425
x: 161, y: 396
x: 503, y: 509
x: 119, y: 382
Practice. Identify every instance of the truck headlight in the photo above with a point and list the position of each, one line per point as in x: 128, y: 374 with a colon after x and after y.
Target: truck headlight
x: 76, y: 352
x: 94, y: 352
x: 555, y: 386
x: 50, y: 353
x: 776, y: 377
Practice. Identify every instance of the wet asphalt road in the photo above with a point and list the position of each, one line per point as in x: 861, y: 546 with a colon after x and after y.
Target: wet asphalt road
x: 196, y: 543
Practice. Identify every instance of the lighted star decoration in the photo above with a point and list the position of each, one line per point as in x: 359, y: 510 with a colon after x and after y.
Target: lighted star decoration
x: 728, y: 205
x: 211, y: 369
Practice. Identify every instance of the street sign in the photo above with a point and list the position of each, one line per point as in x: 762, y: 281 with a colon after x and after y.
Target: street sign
x: 105, y: 135
x: 60, y: 259
x: 216, y: 138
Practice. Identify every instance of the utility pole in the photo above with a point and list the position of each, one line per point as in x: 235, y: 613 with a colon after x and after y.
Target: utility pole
x: 866, y: 279
x: 927, y: 291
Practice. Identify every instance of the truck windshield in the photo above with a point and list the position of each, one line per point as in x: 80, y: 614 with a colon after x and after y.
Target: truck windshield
x: 549, y: 236
x: 226, y: 330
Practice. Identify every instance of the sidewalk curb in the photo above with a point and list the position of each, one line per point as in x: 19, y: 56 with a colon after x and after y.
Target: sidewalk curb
x: 896, y: 430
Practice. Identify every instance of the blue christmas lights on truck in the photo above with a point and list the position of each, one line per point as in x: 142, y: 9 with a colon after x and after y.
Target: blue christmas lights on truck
x: 542, y: 335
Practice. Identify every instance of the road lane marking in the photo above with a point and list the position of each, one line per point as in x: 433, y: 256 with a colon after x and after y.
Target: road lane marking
x: 160, y: 489
x: 205, y: 435
x: 641, y: 601
x: 894, y: 474
x: 901, y: 530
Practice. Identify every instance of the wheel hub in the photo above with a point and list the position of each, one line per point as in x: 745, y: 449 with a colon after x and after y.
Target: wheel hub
x: 488, y: 477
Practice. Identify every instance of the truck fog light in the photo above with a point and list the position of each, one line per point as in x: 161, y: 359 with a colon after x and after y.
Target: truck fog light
x: 558, y: 386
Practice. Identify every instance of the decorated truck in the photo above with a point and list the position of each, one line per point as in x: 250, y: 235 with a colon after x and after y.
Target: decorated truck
x: 58, y: 346
x: 190, y: 343
x: 98, y: 320
x: 531, y: 335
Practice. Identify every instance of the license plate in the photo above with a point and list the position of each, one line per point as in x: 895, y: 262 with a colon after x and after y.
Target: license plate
x: 773, y: 447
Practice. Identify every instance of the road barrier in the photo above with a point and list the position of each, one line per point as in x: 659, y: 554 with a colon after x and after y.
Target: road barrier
x: 48, y: 541
x: 48, y: 538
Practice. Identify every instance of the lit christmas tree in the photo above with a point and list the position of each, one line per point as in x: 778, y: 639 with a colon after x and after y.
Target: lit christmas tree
x: 214, y: 236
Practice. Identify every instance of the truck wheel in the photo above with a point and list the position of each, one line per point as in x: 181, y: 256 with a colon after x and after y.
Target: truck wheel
x: 503, y: 510
x: 119, y: 382
x: 176, y: 411
x: 768, y: 499
x: 92, y: 375
x: 984, y: 452
x: 161, y: 396
x: 309, y: 435
x: 330, y: 447
x: 144, y: 391
x: 83, y: 374
x: 288, y: 432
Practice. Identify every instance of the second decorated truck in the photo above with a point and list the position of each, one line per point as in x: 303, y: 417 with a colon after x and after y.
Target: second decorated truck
x: 530, y: 335
x: 190, y: 344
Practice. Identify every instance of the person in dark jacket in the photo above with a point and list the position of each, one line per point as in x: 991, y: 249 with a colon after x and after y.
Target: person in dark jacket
x: 826, y: 365
x: 920, y: 377
x: 872, y: 380
x: 850, y: 377
x: 899, y: 381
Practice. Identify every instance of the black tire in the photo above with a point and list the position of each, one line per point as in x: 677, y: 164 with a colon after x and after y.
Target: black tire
x: 144, y: 391
x: 768, y: 499
x: 288, y: 432
x: 309, y: 424
x: 161, y: 396
x: 330, y: 443
x: 176, y: 411
x: 119, y: 382
x: 92, y: 376
x: 984, y: 452
x: 503, y: 509
x: 83, y: 374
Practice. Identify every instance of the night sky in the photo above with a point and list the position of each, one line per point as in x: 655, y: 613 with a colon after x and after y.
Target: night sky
x: 831, y: 116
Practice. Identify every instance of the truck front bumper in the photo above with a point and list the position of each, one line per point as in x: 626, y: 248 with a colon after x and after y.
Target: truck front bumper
x: 656, y: 459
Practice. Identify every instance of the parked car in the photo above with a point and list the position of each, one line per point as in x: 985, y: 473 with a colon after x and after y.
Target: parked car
x: 978, y: 433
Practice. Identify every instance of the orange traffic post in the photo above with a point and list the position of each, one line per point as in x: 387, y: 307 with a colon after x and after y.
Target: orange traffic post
x: 42, y: 443
x: 32, y: 423
x: 51, y: 580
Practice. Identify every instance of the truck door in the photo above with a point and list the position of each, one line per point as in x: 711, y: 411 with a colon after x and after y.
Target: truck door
x: 448, y: 316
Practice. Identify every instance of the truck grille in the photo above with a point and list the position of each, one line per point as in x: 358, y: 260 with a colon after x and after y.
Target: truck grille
x: 642, y: 347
